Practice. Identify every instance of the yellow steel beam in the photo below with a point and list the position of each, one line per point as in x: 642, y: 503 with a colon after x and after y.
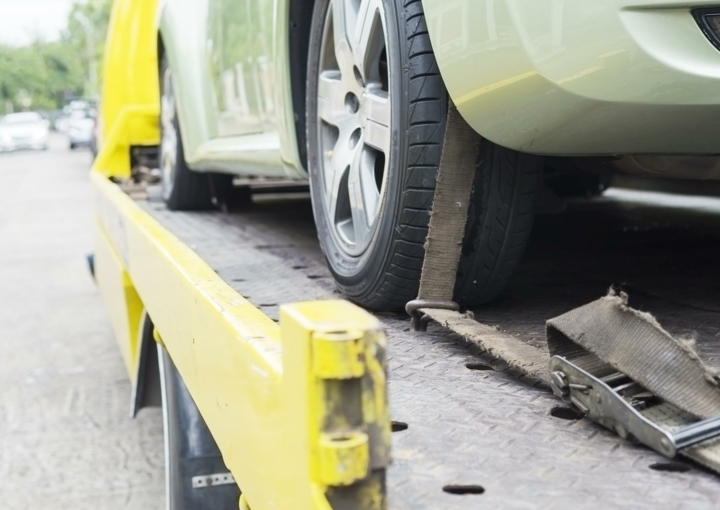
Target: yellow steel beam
x: 113, y: 159
x: 123, y: 303
x: 298, y: 410
x: 131, y: 92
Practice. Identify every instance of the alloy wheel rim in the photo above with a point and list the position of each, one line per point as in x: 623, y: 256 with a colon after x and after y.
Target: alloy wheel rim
x: 169, y: 140
x: 354, y: 114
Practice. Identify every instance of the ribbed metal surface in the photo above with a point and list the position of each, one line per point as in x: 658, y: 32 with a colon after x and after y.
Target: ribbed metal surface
x: 491, y: 427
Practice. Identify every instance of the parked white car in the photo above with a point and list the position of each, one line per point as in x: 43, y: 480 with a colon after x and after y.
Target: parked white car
x: 26, y: 130
x: 80, y: 129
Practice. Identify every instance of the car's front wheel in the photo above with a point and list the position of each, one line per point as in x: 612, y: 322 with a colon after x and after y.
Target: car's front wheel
x: 376, y: 111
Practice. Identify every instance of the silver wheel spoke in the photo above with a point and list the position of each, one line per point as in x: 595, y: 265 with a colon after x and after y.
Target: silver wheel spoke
x: 377, y: 124
x: 354, y: 110
x: 339, y: 162
x: 339, y: 22
x: 361, y: 226
x: 377, y: 108
x: 368, y: 185
x: 343, y: 51
x: 334, y: 192
x: 331, y: 98
x: 366, y: 43
x: 166, y: 113
x: 169, y: 138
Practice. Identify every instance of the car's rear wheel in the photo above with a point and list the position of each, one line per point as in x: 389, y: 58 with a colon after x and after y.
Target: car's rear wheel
x: 182, y: 188
x: 502, y: 210
x: 376, y: 109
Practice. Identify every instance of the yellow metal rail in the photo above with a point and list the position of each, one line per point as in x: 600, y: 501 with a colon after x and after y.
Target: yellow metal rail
x: 113, y: 159
x: 299, y: 409
x: 131, y: 85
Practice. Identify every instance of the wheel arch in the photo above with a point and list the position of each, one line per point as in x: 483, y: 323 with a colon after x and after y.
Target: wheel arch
x: 300, y: 17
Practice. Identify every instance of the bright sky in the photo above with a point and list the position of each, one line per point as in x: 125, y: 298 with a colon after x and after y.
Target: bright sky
x: 22, y: 20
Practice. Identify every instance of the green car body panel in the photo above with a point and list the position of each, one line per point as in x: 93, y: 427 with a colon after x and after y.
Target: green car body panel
x: 581, y: 77
x: 231, y: 73
x: 554, y: 77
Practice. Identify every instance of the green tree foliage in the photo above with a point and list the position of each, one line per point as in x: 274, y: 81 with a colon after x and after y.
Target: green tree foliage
x: 86, y: 31
x: 44, y: 75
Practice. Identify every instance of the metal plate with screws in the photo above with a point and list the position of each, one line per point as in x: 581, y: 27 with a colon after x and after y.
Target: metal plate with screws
x: 202, y: 481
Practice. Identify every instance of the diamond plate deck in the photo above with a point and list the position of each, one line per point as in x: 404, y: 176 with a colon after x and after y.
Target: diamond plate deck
x: 493, y: 427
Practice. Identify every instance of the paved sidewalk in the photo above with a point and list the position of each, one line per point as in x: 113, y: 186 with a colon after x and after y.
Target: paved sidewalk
x: 66, y: 440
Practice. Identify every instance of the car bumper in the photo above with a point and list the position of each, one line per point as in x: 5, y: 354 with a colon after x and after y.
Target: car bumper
x: 567, y: 78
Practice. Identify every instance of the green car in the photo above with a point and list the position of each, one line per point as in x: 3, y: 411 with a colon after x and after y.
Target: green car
x: 353, y: 96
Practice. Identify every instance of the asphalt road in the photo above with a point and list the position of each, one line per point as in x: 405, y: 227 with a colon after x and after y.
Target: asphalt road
x: 66, y: 439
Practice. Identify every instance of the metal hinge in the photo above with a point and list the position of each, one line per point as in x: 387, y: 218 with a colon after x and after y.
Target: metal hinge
x: 617, y: 402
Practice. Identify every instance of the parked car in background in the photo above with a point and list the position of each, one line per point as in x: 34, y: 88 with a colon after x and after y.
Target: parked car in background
x: 26, y: 130
x: 80, y: 128
x: 94, y: 139
x: 61, y: 122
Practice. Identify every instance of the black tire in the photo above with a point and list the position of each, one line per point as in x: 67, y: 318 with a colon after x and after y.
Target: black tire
x: 72, y: 146
x: 500, y: 219
x: 187, y: 190
x: 190, y: 449
x: 387, y: 275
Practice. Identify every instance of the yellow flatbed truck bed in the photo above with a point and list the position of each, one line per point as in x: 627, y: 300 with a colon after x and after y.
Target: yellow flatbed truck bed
x: 213, y: 283
x: 299, y: 397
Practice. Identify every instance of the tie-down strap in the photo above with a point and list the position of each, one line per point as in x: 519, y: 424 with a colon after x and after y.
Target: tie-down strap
x: 516, y: 353
x: 608, y: 332
x: 626, y: 372
x: 451, y: 201
x: 616, y: 364
x: 622, y: 369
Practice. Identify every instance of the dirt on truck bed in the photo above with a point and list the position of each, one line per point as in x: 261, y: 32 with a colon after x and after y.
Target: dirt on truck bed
x: 471, y: 422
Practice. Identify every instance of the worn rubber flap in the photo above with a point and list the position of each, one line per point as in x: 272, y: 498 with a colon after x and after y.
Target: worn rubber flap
x: 608, y: 331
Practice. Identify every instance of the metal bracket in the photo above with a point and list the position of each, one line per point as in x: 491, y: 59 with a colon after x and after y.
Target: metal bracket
x: 419, y: 320
x: 200, y: 482
x: 616, y: 401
